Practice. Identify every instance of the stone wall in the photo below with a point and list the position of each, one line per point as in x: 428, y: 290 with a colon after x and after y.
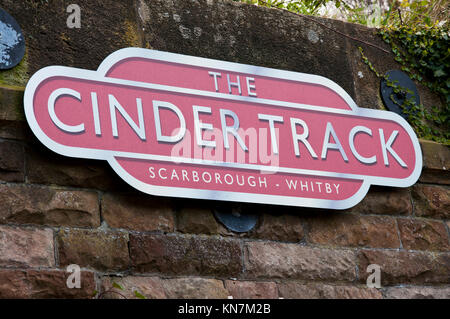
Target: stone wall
x: 56, y: 211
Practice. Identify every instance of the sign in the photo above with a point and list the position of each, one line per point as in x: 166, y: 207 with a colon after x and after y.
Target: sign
x: 183, y: 126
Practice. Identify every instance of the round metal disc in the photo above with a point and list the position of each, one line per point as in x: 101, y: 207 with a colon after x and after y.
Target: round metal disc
x: 234, y: 219
x: 12, y: 43
x: 403, y: 81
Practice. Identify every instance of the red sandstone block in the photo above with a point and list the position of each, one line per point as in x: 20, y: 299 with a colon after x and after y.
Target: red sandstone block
x: 431, y: 201
x: 436, y: 162
x: 419, y: 234
x: 194, y: 288
x: 251, y: 289
x: 158, y: 288
x: 26, y: 247
x: 198, y: 220
x: 418, y: 293
x: 29, y: 204
x: 130, y: 287
x: 185, y: 255
x: 46, y: 167
x: 96, y: 249
x: 402, y: 267
x: 385, y: 201
x: 277, y: 260
x: 283, y: 227
x: 343, y: 229
x: 44, y: 284
x: 299, y: 290
x: 137, y: 212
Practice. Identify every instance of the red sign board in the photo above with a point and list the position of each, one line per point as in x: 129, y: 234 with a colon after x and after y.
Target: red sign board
x: 176, y: 125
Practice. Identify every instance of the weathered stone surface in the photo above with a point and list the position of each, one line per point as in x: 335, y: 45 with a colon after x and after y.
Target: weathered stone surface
x: 401, y: 267
x: 197, y: 220
x: 11, y: 103
x: 27, y: 204
x: 43, y: 284
x: 157, y: 288
x: 47, y: 167
x: 298, y: 290
x: 237, y: 32
x: 26, y: 247
x: 366, y: 83
x: 431, y: 201
x: 96, y: 249
x: 137, y: 212
x: 194, y: 288
x: 105, y: 27
x: 417, y: 293
x: 385, y: 201
x: 251, y: 289
x: 277, y: 260
x: 185, y: 255
x: 14, y: 130
x: 343, y: 229
x: 436, y: 162
x: 423, y: 234
x: 149, y: 287
x: 284, y: 227
x: 12, y: 162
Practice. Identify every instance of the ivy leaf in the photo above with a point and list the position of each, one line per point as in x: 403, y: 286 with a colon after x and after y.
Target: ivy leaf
x: 139, y: 295
x: 439, y: 72
x: 116, y: 285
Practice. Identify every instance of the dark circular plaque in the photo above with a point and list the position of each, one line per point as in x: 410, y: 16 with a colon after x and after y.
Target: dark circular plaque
x: 234, y: 219
x: 12, y: 43
x: 402, y: 80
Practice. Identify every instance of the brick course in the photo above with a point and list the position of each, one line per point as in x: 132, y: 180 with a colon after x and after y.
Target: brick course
x: 431, y: 201
x: 32, y: 204
x: 398, y: 267
x: 183, y: 255
x: 137, y: 212
x: 350, y: 230
x: 97, y: 249
x: 43, y: 284
x: 26, y: 247
x: 279, y: 260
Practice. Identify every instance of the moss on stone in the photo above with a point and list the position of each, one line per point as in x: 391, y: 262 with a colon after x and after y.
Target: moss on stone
x: 131, y: 34
x: 18, y: 75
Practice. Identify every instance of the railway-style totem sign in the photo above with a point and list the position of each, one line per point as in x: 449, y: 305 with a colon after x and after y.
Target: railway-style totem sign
x: 183, y: 126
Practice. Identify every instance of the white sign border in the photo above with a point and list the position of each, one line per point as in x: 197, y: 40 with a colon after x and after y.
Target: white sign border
x: 120, y: 55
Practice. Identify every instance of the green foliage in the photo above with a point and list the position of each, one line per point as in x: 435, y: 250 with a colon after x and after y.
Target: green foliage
x: 431, y: 124
x: 420, y: 43
x: 424, y: 54
x: 116, y: 285
x: 367, y: 12
x: 139, y: 295
x: 418, y: 34
x: 309, y: 7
